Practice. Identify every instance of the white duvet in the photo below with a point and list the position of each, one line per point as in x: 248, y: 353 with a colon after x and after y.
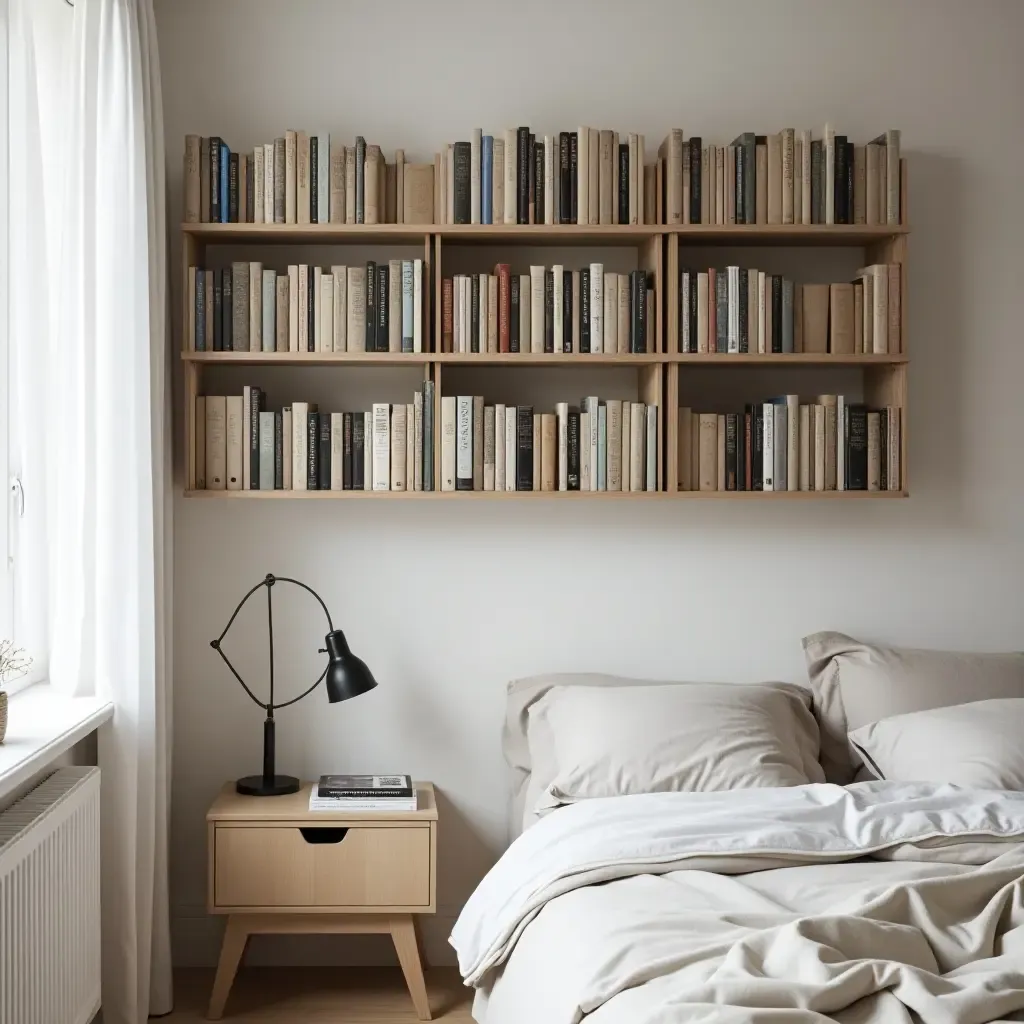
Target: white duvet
x: 756, y: 905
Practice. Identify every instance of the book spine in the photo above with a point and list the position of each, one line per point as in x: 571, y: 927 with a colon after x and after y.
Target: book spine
x: 513, y: 327
x: 428, y: 435
x: 523, y: 176
x: 256, y: 401
x: 574, y: 171
x: 585, y: 310
x: 549, y: 309
x: 504, y: 272
x: 324, y: 452
x: 564, y: 180
x: 447, y: 314
x: 313, y: 451
x: 398, y: 437
x: 817, y: 182
x: 623, y: 171
x: 596, y: 274
x: 382, y: 309
x: 572, y: 473
x: 233, y: 189
x: 486, y: 180
x: 839, y: 180
x: 583, y: 175
x: 567, y: 307
x: 524, y: 448
x: 475, y: 140
x: 463, y: 194
x: 407, y: 306
x: 474, y: 313
x: 314, y: 179
x: 360, y: 179
x: 370, y: 327
x: 381, y: 470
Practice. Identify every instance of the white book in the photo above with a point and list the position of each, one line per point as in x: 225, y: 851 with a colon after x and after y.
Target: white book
x: 259, y: 184
x: 286, y: 447
x: 558, y: 275
x: 357, y: 312
x: 499, y: 448
x: 498, y: 180
x: 840, y: 442
x: 448, y: 442
x: 246, y: 427
x: 593, y: 405
x: 549, y: 179
x: 417, y: 305
x: 381, y: 446
x: 457, y: 313
x: 805, y: 177
x: 525, y: 316
x: 703, y: 287
x: 417, y: 441
x: 326, y: 313
x: 337, y: 450
x: 268, y: 183
x: 481, y: 334
x: 474, y: 175
x: 293, y: 308
x: 511, y: 152
x: 410, y: 447
x: 237, y: 441
x: 300, y: 425
x: 622, y: 307
x: 733, y: 296
x: 489, y: 446
x: 255, y: 307
x: 627, y: 434
x: 768, y: 449
x: 467, y: 312
x: 792, y: 443
x: 397, y: 436
x: 303, y: 307
x: 316, y: 300
x: 610, y: 322
x: 536, y: 310
x: 511, y: 442
x: 651, y: 448
x: 464, y: 443
x: 584, y: 449
x: 830, y: 172
x: 762, y: 312
x: 323, y: 179
x: 637, y: 431
x: 596, y: 307
x: 583, y: 175
x: 367, y: 451
x: 562, y: 442
x: 340, y: 291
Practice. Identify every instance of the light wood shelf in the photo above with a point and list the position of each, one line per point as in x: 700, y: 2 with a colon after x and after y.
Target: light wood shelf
x: 308, y: 358
x: 551, y: 495
x: 782, y: 359
x: 324, y: 234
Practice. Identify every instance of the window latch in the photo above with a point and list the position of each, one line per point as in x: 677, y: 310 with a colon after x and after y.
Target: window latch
x: 18, y: 494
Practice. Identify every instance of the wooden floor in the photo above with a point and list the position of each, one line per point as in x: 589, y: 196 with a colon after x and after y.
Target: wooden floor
x: 318, y: 995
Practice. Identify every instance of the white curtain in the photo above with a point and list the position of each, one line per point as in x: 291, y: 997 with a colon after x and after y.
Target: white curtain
x: 92, y: 434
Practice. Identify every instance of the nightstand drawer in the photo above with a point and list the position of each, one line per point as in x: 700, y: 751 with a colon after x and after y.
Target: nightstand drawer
x: 285, y: 866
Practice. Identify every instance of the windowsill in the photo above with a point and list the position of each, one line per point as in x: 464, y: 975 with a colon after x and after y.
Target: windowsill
x: 42, y: 725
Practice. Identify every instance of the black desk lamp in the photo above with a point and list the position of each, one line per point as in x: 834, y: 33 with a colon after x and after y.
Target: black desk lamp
x: 346, y: 675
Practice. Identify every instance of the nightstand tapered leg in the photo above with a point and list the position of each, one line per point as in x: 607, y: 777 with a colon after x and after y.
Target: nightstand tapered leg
x: 235, y: 936
x: 403, y: 934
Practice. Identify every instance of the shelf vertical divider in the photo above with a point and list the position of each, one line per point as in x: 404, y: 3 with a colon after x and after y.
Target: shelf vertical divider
x: 191, y: 250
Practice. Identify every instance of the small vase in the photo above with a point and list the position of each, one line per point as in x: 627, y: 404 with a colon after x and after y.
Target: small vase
x: 3, y: 715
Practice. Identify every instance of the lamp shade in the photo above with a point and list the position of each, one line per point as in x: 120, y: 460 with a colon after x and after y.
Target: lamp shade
x: 347, y: 676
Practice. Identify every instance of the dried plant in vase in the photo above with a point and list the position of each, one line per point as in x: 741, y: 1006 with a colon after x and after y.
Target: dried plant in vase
x: 14, y: 663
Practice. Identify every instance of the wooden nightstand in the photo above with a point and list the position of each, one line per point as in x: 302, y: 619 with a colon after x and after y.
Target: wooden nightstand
x: 276, y: 868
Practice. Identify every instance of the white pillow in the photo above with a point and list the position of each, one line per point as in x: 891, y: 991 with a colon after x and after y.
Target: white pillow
x: 695, y: 737
x: 976, y: 745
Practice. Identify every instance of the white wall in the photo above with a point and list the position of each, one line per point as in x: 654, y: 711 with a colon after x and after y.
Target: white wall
x: 446, y: 601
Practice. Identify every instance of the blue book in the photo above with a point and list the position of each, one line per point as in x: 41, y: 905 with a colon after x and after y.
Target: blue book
x: 225, y: 159
x: 407, y: 301
x: 602, y: 447
x: 486, y: 179
x: 200, y: 310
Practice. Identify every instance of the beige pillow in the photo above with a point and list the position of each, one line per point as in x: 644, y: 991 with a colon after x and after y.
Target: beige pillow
x: 976, y: 745
x: 693, y: 737
x: 856, y: 683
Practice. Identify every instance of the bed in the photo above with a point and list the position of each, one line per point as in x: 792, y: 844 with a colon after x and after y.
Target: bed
x: 659, y: 881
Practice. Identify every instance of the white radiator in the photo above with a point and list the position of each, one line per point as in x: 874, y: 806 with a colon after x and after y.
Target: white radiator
x: 50, y: 902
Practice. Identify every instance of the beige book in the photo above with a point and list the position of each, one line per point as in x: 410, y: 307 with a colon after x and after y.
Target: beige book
x: 475, y: 155
x: 641, y: 150
x: 255, y: 307
x: 596, y: 308
x: 606, y: 173
x: 290, y: 183
x: 525, y: 315
x: 215, y: 433
x: 858, y: 317
x: 550, y: 178
x: 787, y: 157
x: 819, y: 447
x: 390, y: 194
x: 398, y: 435
x: 302, y: 171
x: 633, y: 189
x: 798, y: 317
x: 576, y: 312
x: 337, y: 450
x: 762, y: 311
x: 356, y: 327
x: 637, y: 430
x: 695, y: 451
x: 611, y: 313
x: 482, y: 315
x: 622, y: 313
x: 303, y: 305
x: 708, y: 452
x: 625, y: 438
x: 752, y: 310
x: 498, y: 180
x: 548, y: 451
x: 234, y: 432
x: 775, y: 179
x: 371, y: 186
x: 707, y: 205
x: 316, y: 304
x: 859, y: 185
x: 281, y: 313
x: 438, y: 188
x: 671, y: 151
x: 536, y: 452
x: 394, y: 305
x: 761, y: 183
x: 615, y: 179
x: 683, y: 442
x: 293, y: 308
x: 828, y: 403
x: 874, y: 451
x: 816, y: 302
x: 418, y: 194
x: 204, y: 180
x: 492, y: 312
x: 582, y: 175
x: 478, y: 443
x: 867, y: 282
x: 828, y: 155
x: 510, y: 176
x: 450, y: 183
x: 702, y: 312
x: 721, y: 453
x: 891, y: 161
x: 400, y: 185
x: 594, y: 171
x: 613, y: 444
x: 893, y: 294
x: 798, y: 181
x: 350, y: 184
x: 730, y: 184
x: 536, y: 309
x: 339, y: 342
x: 650, y: 194
x: 805, y: 177
x: 258, y: 185
x: 893, y: 435
x: 193, y: 191
x: 190, y: 330
x: 336, y: 202
x: 792, y: 443
x: 841, y: 338
x: 325, y: 312
x: 872, y: 156
x: 199, y: 441
x: 243, y: 187
x: 719, y: 184
x: 877, y: 291
x: 806, y: 444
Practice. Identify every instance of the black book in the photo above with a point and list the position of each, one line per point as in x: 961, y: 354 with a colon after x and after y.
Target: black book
x: 776, y: 313
x: 695, y: 175
x: 743, y: 432
x: 623, y: 183
x: 693, y: 311
x: 250, y: 190
x: 313, y: 298
x: 371, y: 305
x: 461, y: 163
x: 839, y: 180
x: 313, y: 156
x: 722, y: 311
x: 572, y: 448
x: 278, y: 451
x: 746, y: 178
x: 564, y: 180
x: 738, y: 183
x: 227, y: 310
x: 358, y: 441
x: 200, y: 311
x: 638, y: 311
x: 756, y: 447
x: 549, y: 311
x: 215, y: 143
x: 256, y: 403
x: 731, y: 452
x: 684, y: 305
x: 313, y: 451
x: 531, y: 183
x: 522, y: 176
x: 325, y: 452
x: 566, y: 310
x: 524, y: 453
x: 585, y: 309
x: 743, y: 311
x: 883, y: 448
x: 346, y: 450
x: 383, y: 305
x: 513, y: 313
x: 218, y: 312
x: 574, y: 165
x: 817, y: 189
x: 233, y: 188
x: 538, y: 182
x: 849, y: 183
x: 365, y: 786
x: 856, y: 447
x: 474, y: 313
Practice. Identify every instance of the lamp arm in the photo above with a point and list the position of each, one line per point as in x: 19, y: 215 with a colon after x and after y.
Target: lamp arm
x: 255, y: 699
x: 306, y: 693
x: 299, y: 583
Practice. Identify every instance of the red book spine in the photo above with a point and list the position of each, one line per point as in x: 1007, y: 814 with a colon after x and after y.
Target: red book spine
x: 504, y: 270
x: 447, y: 323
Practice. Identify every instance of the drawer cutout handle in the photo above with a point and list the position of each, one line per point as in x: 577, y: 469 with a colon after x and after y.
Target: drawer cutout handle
x: 326, y: 836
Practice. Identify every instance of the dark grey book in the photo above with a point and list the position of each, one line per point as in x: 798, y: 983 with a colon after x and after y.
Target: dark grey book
x: 358, y: 450
x: 384, y: 787
x: 324, y: 467
x: 623, y: 183
x: 313, y: 451
x: 883, y: 448
x: 215, y: 145
x: 240, y: 306
x: 524, y: 447
x: 731, y: 452
x: 538, y: 182
x: 227, y: 309
x: 695, y: 175
x: 474, y: 312
x: 346, y: 450
x: 360, y: 184
x: 278, y: 450
x: 199, y: 312
x: 722, y: 310
x: 428, y: 435
x: 638, y: 311
x: 780, y: 442
x: 233, y: 188
x: 513, y: 317
x: 531, y: 182
x: 776, y: 313
x: 856, y: 460
x: 549, y: 311
x: 585, y: 309
x: 461, y: 163
x: 314, y: 148
x: 218, y: 311
x: 787, y: 315
x: 848, y: 187
x: 257, y: 401
x: 742, y: 452
x: 744, y: 311
x: 746, y: 177
x: 574, y: 168
x: 693, y: 310
x: 839, y: 181
x: 313, y: 301
x: 566, y: 310
x: 572, y: 450
x: 522, y: 176
x: 564, y: 181
x: 383, y: 307
x: 371, y: 305
x: 817, y: 182
x: 756, y: 414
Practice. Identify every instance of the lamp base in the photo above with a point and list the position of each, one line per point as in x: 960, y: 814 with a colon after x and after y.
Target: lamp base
x: 278, y: 785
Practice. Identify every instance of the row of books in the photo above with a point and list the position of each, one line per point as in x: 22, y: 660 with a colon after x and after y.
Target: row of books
x: 601, y: 445
x: 582, y: 177
x: 789, y: 445
x: 551, y: 309
x: 786, y: 178
x: 341, y: 793
x: 240, y: 445
x: 301, y: 178
x: 252, y: 308
x: 737, y: 310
